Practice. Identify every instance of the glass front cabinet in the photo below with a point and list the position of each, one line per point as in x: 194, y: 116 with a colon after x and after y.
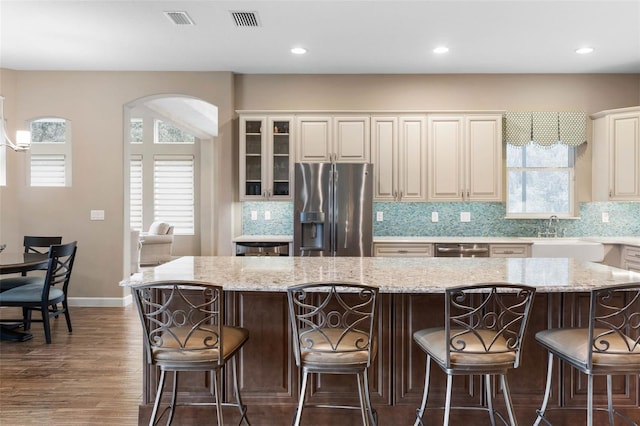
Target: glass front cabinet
x: 266, y: 168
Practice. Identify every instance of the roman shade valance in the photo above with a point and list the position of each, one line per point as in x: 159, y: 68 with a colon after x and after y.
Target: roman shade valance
x: 545, y: 128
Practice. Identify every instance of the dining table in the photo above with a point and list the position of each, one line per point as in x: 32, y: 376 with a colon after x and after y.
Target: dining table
x: 17, y: 263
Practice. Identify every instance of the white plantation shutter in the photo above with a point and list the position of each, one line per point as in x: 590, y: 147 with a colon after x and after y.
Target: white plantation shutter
x: 48, y: 170
x: 174, y: 191
x: 135, y: 192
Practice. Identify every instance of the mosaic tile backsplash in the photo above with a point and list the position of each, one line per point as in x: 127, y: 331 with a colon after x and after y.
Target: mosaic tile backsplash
x: 487, y: 220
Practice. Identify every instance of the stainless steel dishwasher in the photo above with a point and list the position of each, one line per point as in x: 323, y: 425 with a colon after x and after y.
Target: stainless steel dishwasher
x: 461, y: 250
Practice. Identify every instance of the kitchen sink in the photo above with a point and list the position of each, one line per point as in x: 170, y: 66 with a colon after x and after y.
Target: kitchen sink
x: 567, y: 247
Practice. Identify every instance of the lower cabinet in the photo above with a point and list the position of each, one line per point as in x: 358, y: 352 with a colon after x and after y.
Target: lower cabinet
x: 413, y: 312
x: 266, y: 366
x: 509, y: 250
x: 403, y: 249
x: 631, y: 258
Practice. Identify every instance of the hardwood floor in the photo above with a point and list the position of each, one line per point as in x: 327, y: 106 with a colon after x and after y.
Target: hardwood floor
x: 91, y: 376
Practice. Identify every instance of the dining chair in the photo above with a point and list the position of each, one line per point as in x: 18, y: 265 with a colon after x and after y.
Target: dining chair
x: 43, y: 295
x: 39, y: 245
x: 183, y: 330
x: 333, y: 333
x: 484, y: 326
x: 607, y: 343
x: 35, y: 245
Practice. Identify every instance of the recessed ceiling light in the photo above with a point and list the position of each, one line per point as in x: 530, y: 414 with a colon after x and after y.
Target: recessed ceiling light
x: 298, y: 50
x: 584, y: 50
x: 441, y: 49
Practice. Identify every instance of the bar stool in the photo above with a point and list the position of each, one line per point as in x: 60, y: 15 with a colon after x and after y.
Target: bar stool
x: 333, y: 327
x: 183, y: 327
x: 482, y: 335
x: 609, y: 345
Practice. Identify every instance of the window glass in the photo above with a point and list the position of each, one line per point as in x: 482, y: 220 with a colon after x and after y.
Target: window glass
x: 168, y: 133
x: 136, y: 130
x: 540, y: 180
x: 49, y: 130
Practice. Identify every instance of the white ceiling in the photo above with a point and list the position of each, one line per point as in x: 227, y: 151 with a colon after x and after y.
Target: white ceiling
x: 343, y: 36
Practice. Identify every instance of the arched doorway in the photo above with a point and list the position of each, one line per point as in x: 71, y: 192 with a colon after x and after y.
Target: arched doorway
x: 174, y: 133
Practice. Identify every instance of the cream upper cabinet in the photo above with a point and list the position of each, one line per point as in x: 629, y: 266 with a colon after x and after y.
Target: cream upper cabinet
x: 315, y: 139
x: 398, y: 146
x: 616, y: 155
x: 344, y: 139
x: 266, y: 153
x: 465, y: 157
x: 446, y: 161
x: 483, y: 156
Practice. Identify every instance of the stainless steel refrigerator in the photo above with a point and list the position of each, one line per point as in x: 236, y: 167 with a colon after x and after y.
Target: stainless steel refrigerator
x: 333, y: 209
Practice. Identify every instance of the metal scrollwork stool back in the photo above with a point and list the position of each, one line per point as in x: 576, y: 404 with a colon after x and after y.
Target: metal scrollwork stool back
x: 184, y: 331
x: 333, y: 331
x: 608, y: 345
x: 482, y: 335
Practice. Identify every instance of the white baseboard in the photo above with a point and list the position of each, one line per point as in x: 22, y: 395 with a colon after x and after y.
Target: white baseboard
x: 101, y: 302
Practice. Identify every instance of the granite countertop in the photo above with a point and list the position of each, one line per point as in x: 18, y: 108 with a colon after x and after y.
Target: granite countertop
x: 485, y: 240
x: 627, y: 241
x: 392, y: 275
x: 630, y: 241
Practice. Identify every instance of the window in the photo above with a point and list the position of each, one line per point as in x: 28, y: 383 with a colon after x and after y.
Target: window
x: 540, y: 180
x: 50, y: 159
x: 162, y: 175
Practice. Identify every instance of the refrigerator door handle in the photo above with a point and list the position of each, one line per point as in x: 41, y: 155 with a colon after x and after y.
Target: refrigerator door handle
x: 346, y: 232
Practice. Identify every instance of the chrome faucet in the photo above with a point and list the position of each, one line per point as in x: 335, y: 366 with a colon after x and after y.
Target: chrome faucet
x: 551, y: 229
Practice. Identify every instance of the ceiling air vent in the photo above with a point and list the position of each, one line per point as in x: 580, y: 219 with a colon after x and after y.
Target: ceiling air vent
x: 246, y: 19
x: 179, y: 17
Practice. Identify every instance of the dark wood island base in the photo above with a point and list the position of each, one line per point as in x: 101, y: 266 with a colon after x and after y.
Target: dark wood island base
x: 269, y: 378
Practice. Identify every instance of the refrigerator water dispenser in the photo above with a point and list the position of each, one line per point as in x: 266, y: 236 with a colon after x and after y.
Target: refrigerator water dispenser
x: 312, y: 230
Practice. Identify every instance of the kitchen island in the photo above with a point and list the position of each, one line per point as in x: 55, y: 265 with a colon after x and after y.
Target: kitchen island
x: 411, y: 299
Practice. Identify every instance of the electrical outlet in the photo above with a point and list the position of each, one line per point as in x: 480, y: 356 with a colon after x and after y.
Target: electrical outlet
x: 254, y: 215
x: 267, y: 215
x: 379, y: 216
x: 605, y: 217
x: 434, y: 216
x: 465, y: 216
x: 97, y: 214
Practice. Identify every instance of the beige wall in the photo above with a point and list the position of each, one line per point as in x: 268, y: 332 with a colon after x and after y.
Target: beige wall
x: 94, y: 101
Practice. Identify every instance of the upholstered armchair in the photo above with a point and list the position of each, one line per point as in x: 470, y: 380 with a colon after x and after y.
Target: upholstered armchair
x: 156, y: 244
